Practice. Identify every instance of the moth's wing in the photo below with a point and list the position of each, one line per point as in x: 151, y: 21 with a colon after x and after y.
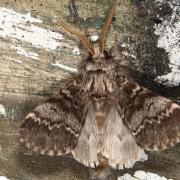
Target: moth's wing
x: 153, y: 120
x: 53, y: 128
x: 119, y: 146
x: 87, y: 147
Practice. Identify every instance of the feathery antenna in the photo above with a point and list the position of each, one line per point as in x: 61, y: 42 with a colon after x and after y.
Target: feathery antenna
x: 105, y: 29
x: 85, y: 41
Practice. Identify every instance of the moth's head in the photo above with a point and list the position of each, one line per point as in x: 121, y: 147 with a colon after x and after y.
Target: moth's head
x: 95, y: 54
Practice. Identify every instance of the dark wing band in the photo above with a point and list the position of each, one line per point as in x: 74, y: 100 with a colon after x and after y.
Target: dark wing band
x: 151, y: 118
x: 53, y: 128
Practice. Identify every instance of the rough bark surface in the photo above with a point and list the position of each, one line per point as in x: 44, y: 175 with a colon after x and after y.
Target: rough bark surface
x: 26, y: 82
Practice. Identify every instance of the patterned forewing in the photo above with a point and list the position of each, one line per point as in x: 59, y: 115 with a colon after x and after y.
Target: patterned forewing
x: 53, y: 128
x: 153, y: 120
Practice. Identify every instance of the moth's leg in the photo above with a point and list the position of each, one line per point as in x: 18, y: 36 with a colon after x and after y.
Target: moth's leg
x: 83, y: 52
x: 86, y: 29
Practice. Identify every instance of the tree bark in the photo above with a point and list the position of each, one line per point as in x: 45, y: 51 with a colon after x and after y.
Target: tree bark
x: 37, y: 56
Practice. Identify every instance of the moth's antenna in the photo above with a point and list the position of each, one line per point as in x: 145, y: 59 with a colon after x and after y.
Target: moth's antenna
x: 83, y: 38
x: 105, y: 29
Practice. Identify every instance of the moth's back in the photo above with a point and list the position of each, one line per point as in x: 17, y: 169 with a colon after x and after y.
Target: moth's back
x: 100, y: 77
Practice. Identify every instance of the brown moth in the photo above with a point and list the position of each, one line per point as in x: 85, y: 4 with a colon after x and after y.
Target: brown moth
x: 102, y: 115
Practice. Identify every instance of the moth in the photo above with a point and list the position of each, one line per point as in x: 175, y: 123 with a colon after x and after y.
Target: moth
x: 102, y: 115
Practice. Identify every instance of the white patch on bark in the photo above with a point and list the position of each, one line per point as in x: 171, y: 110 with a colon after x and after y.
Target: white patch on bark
x: 17, y: 61
x: 160, y: 1
x: 23, y: 52
x: 142, y: 175
x: 76, y: 51
x: 3, y: 178
x: 67, y: 68
x: 169, y: 38
x: 127, y: 177
x: 2, y: 110
x: 15, y: 25
x: 94, y: 38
